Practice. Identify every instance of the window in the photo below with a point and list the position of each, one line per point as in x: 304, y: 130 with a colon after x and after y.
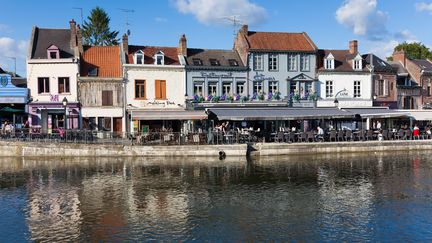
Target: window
x: 104, y: 123
x: 43, y: 86
x: 292, y: 62
x: 212, y: 88
x: 257, y: 87
x: 53, y: 52
x: 52, y: 55
x: 357, y: 65
x: 257, y: 62
x: 140, y: 89
x: 357, y: 89
x: 63, y: 85
x: 329, y: 63
x: 308, y: 87
x: 381, y: 88
x: 226, y: 88
x: 293, y: 87
x: 214, y: 62
x: 233, y: 62
x: 197, y: 62
x: 305, y: 63
x: 273, y: 87
x: 329, y: 89
x: 198, y: 88
x: 92, y: 72
x: 240, y: 87
x: 139, y: 57
x: 160, y: 58
x: 160, y: 89
x: 273, y: 62
x: 107, y: 98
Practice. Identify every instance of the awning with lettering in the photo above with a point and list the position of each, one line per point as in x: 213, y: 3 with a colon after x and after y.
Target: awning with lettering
x: 168, y: 115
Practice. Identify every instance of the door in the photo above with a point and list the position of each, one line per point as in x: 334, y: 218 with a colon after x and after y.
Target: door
x: 117, y: 124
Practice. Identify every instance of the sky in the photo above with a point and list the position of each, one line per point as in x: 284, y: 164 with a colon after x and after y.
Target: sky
x: 378, y: 25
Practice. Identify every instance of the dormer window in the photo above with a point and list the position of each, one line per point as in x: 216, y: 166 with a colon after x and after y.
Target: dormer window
x: 92, y: 72
x: 357, y: 63
x: 197, y: 62
x: 53, y: 52
x: 214, y: 62
x: 233, y: 62
x: 160, y: 58
x: 329, y: 62
x: 139, y: 57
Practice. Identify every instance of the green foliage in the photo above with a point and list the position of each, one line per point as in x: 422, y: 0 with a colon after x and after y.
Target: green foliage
x: 415, y: 50
x: 96, y: 30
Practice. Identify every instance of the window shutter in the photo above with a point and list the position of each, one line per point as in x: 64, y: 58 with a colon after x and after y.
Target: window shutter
x: 163, y: 89
x: 158, y: 89
x: 377, y: 85
x: 107, y: 98
x: 386, y: 87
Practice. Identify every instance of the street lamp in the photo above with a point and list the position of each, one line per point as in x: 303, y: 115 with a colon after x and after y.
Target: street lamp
x: 65, y: 103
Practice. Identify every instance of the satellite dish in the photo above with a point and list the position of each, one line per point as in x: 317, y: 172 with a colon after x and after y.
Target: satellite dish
x: 128, y: 32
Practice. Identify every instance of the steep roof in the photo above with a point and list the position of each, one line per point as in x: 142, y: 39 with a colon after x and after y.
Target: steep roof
x: 399, y: 67
x: 44, y: 38
x: 222, y: 56
x: 425, y: 65
x: 280, y: 41
x: 171, y: 56
x: 342, y: 62
x: 379, y: 64
x: 105, y: 58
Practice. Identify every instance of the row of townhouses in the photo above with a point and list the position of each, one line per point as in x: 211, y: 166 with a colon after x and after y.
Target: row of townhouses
x: 134, y: 88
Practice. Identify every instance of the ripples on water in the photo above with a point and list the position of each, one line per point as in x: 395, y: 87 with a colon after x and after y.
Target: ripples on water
x: 359, y: 197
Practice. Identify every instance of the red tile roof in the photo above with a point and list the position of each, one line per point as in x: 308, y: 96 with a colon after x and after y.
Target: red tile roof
x: 171, y: 54
x: 342, y: 63
x: 279, y: 41
x: 105, y: 58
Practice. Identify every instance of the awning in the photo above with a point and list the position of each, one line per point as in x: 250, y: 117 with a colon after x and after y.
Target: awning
x: 421, y: 115
x: 11, y: 110
x: 168, y: 115
x: 377, y: 112
x: 272, y: 113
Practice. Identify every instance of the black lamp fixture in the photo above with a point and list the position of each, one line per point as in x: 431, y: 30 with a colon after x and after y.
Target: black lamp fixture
x: 336, y: 102
x: 65, y: 103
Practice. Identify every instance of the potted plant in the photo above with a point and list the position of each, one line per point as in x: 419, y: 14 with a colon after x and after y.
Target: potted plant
x: 261, y: 96
x: 215, y: 99
x: 209, y: 98
x: 296, y: 97
x: 229, y: 98
x: 244, y: 98
x: 313, y: 97
x: 270, y: 96
x: 237, y: 97
x: 255, y: 96
x: 222, y: 97
x: 276, y: 96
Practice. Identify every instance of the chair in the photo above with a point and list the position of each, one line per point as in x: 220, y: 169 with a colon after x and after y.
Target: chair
x: 310, y: 136
x: 280, y: 137
x: 369, y: 135
x: 340, y: 135
x: 400, y: 134
x: 290, y: 137
x: 408, y: 135
x: 302, y: 137
x: 385, y: 134
x: 361, y: 135
x: 348, y: 135
x: 332, y: 136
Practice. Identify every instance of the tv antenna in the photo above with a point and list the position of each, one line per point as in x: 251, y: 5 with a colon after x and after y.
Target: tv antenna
x: 236, y: 22
x: 127, y: 11
x: 81, y: 11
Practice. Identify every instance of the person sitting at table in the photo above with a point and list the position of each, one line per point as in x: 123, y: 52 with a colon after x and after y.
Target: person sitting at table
x: 320, y: 133
x: 416, y: 132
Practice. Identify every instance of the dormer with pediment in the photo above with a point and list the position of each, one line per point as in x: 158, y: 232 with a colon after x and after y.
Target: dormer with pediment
x: 53, y: 52
x: 159, y: 58
x: 138, y: 57
x: 329, y: 62
x: 357, y: 62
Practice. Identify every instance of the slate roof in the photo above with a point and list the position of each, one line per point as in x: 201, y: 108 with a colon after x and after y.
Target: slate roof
x: 425, y: 65
x: 342, y: 61
x: 379, y: 64
x: 105, y: 58
x: 43, y: 38
x: 399, y: 67
x: 280, y: 41
x: 171, y: 55
x: 223, y: 56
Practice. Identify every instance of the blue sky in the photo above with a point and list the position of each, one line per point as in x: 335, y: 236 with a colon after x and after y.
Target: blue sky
x: 378, y: 24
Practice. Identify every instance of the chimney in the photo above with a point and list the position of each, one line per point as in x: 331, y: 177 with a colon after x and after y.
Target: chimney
x: 400, y: 56
x: 244, y: 29
x: 182, y: 49
x: 79, y: 40
x: 125, y: 44
x: 73, y: 42
x: 353, y: 47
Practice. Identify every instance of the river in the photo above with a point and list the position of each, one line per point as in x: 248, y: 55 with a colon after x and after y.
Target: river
x: 350, y: 197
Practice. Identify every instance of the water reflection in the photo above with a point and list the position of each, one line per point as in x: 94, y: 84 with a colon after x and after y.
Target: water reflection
x: 306, y: 198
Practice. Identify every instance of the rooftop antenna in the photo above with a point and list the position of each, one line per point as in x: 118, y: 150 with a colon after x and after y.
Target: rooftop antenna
x: 236, y: 22
x: 127, y: 11
x: 81, y: 11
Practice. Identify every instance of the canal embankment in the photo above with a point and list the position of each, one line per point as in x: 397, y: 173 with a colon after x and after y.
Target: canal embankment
x: 42, y: 149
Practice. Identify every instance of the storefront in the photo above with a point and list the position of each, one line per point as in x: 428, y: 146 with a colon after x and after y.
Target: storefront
x: 48, y: 117
x: 13, y: 101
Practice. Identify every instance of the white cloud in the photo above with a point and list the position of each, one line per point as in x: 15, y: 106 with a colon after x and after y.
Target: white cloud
x: 405, y: 35
x: 4, y: 28
x: 427, y: 7
x: 13, y: 48
x: 364, y: 18
x: 161, y: 19
x: 214, y: 11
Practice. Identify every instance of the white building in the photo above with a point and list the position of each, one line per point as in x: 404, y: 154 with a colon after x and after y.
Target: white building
x: 52, y: 69
x: 344, y: 79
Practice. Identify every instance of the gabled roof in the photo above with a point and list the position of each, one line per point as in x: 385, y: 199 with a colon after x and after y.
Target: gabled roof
x: 171, y: 56
x: 342, y: 61
x: 44, y: 38
x: 223, y: 56
x: 280, y: 41
x: 399, y: 67
x: 423, y: 64
x: 379, y: 64
x: 105, y: 58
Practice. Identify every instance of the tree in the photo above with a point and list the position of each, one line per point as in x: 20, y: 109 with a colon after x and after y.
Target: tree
x: 96, y: 30
x: 415, y: 50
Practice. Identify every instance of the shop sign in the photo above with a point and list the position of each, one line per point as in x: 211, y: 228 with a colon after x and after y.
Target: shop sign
x: 161, y: 103
x: 3, y: 81
x: 54, y: 98
x: 216, y: 75
x: 262, y: 77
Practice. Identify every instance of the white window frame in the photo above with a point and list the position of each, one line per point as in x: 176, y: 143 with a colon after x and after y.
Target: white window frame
x: 273, y: 62
x: 357, y: 89
x: 305, y: 62
x: 329, y: 63
x: 136, y: 54
x: 329, y: 88
x: 258, y: 62
x: 292, y: 62
x: 198, y: 87
x: 257, y: 87
x: 273, y: 87
x: 212, y: 88
x: 226, y: 88
x: 160, y: 55
x: 240, y: 87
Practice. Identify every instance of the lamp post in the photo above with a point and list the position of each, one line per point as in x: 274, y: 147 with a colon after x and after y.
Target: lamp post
x: 65, y: 103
